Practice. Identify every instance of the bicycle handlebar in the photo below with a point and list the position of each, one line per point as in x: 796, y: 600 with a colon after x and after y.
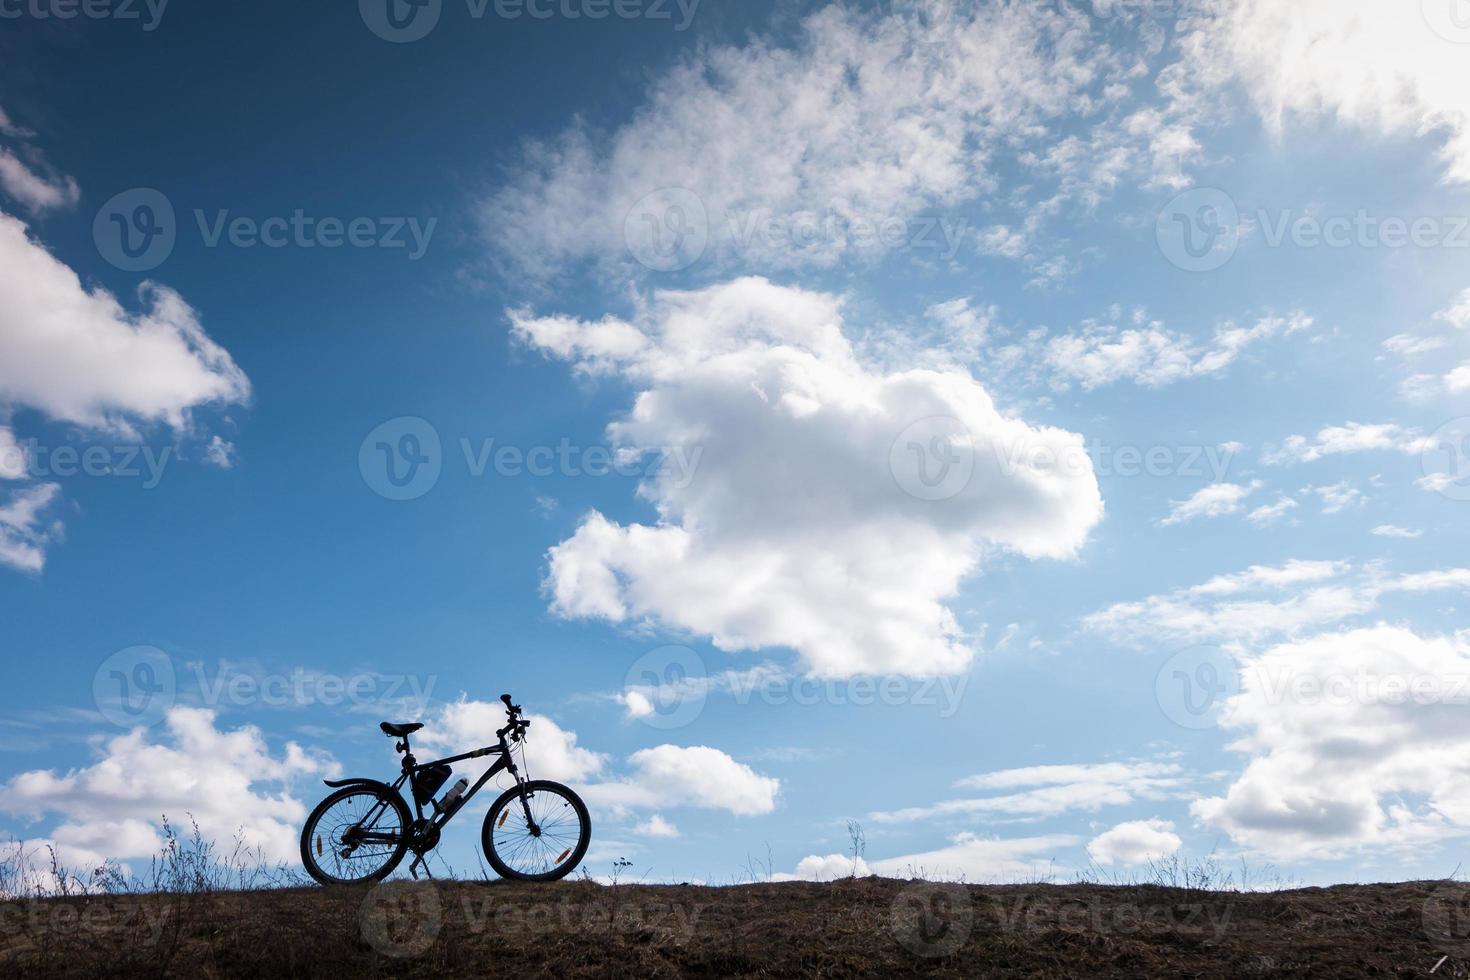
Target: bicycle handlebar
x: 516, y: 726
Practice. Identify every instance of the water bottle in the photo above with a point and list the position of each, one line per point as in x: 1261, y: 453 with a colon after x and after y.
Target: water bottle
x: 447, y: 802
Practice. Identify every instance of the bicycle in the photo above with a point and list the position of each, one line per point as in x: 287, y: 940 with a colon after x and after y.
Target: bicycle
x: 537, y: 830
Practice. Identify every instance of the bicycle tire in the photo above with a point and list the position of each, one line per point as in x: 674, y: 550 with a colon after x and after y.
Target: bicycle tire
x: 309, y: 860
x: 567, y: 863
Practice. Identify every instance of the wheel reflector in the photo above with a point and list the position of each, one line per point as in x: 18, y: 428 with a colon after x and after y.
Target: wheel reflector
x: 501, y: 821
x: 563, y: 855
x: 318, y: 845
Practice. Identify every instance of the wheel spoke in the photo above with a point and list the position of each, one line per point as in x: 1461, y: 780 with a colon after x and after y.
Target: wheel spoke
x: 355, y: 837
x: 560, y: 828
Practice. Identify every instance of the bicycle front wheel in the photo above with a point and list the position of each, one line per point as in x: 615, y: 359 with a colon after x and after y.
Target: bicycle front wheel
x: 357, y: 834
x: 546, y: 847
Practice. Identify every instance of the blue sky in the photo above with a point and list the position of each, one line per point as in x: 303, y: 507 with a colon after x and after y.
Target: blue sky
x: 683, y: 311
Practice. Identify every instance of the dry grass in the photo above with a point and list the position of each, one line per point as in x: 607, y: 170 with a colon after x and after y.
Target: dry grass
x: 198, y: 913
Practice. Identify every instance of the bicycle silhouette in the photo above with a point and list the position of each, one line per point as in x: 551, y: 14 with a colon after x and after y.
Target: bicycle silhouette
x: 537, y: 830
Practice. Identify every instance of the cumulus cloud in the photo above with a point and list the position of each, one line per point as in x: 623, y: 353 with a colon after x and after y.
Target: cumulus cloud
x: 1383, y: 68
x: 811, y: 153
x: 1392, y: 531
x: 657, y: 778
x: 1215, y: 500
x: 1047, y: 791
x: 974, y: 858
x: 826, y: 867
x: 1354, y: 739
x: 78, y: 356
x: 552, y: 752
x: 1134, y: 842
x: 656, y: 826
x: 836, y: 505
x: 228, y: 781
x: 695, y: 776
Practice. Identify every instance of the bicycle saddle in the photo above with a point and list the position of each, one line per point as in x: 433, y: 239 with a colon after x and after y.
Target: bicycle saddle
x: 397, y: 731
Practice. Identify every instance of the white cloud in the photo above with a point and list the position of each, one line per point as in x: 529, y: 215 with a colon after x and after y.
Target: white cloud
x: 1354, y: 739
x: 35, y: 191
x: 806, y: 522
x: 1148, y: 354
x: 1294, y: 572
x: 9, y: 128
x: 801, y: 155
x: 221, y: 453
x: 1407, y: 345
x: 657, y: 778
x: 1390, y: 531
x: 975, y: 858
x: 78, y: 356
x: 1353, y: 437
x: 1457, y: 314
x: 1339, y: 497
x: 696, y: 776
x: 827, y: 867
x: 75, y: 355
x: 227, y: 780
x: 1368, y: 64
x: 1048, y: 791
x: 552, y: 752
x: 24, y: 532
x: 656, y: 826
x: 1284, y: 601
x: 1134, y: 842
x: 1215, y: 500
x: 14, y: 463
x: 1268, y: 514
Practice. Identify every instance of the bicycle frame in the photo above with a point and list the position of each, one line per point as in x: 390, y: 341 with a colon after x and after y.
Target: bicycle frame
x: 424, y: 833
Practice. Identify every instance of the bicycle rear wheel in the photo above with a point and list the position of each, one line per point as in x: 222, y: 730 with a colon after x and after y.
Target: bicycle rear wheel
x: 550, y: 846
x: 359, y: 833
